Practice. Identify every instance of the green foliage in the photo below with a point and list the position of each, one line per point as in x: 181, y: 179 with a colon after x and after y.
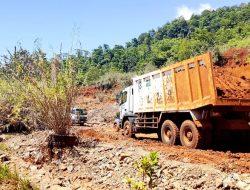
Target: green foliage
x: 5, y: 172
x: 147, y: 168
x: 135, y: 185
x: 37, y: 90
x: 92, y: 75
x: 180, y: 39
x: 22, y: 183
x: 3, y: 147
x: 25, y: 184
x: 113, y: 78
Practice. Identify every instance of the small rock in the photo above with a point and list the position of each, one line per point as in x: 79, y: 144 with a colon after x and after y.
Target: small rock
x: 4, y: 158
x: 70, y: 168
x: 33, y: 168
x: 63, y: 167
x: 199, y: 183
x: 123, y: 156
x: 218, y: 182
x: 230, y: 181
x: 39, y: 158
x: 177, y: 185
x: 245, y: 178
x: 26, y: 155
x: 242, y: 185
x: 109, y: 175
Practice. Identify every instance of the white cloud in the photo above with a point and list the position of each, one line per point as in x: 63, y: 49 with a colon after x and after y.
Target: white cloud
x: 203, y: 7
x: 184, y: 11
x: 187, y: 12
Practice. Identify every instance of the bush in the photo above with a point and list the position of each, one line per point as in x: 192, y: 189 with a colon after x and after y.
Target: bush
x: 111, y: 79
x: 21, y: 183
x: 147, y: 167
x: 39, y: 91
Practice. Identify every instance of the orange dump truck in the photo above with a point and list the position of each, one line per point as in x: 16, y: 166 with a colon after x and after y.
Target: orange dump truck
x: 185, y: 101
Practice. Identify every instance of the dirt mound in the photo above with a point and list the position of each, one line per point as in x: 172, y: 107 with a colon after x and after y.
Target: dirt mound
x: 232, y: 74
x: 89, y: 91
x: 90, y: 133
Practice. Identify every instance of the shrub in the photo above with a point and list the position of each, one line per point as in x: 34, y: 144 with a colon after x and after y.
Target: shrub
x: 147, y: 167
x: 43, y: 90
x: 21, y: 183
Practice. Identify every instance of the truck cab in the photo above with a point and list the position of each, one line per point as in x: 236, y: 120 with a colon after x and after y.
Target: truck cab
x: 126, y: 106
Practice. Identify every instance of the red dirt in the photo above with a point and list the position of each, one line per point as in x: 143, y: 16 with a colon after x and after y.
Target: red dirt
x: 89, y: 91
x: 91, y: 97
x: 225, y: 161
x: 232, y: 74
x: 90, y: 133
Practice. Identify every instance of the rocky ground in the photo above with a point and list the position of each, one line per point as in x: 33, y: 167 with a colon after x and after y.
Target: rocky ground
x: 105, y: 158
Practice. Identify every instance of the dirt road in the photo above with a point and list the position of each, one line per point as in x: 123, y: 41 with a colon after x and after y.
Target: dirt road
x: 104, y: 159
x: 223, y: 160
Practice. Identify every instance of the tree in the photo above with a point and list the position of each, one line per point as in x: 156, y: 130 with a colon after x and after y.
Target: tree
x: 92, y: 75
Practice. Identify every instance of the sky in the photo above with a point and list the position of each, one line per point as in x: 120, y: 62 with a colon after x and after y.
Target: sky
x: 86, y: 24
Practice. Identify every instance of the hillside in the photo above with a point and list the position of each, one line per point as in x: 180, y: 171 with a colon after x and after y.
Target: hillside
x: 216, y: 31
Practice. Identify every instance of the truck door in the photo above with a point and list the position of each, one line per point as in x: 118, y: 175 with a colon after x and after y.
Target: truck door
x: 124, y: 104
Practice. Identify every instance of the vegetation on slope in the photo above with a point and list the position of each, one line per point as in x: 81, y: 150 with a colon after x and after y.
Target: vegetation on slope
x: 215, y: 31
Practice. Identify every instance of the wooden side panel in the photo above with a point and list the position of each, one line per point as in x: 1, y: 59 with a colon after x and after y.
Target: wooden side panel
x: 204, y: 75
x: 193, y: 81
x: 182, y: 85
x: 185, y: 85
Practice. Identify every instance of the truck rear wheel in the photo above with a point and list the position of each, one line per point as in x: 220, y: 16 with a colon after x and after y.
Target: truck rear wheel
x: 189, y: 135
x: 128, y: 129
x: 169, y: 132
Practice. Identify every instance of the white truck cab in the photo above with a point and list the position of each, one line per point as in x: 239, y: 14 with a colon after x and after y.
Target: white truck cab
x: 126, y: 102
x: 126, y: 107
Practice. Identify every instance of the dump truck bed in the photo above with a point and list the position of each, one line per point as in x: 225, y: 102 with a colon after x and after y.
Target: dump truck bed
x: 186, y: 85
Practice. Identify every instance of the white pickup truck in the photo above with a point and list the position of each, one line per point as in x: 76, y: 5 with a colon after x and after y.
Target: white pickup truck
x: 78, y: 116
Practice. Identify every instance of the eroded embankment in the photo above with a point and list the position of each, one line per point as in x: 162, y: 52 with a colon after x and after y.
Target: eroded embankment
x: 232, y: 74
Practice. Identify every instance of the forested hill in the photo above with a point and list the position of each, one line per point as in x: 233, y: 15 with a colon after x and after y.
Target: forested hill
x: 215, y: 30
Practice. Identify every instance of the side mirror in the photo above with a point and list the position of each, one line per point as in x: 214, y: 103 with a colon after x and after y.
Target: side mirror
x: 118, y: 98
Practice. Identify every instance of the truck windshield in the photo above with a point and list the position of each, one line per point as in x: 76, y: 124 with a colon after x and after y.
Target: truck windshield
x: 81, y: 111
x: 123, y: 97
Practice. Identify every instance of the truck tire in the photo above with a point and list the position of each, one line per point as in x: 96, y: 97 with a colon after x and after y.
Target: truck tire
x: 116, y: 127
x: 189, y: 135
x: 169, y: 132
x: 128, y: 129
x: 159, y: 134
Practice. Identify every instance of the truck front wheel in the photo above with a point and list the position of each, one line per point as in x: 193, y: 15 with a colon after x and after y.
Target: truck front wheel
x: 189, y: 135
x: 169, y: 132
x: 128, y: 129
